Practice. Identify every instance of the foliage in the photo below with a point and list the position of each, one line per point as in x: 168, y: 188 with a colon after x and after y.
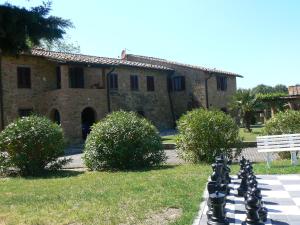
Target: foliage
x: 31, y: 144
x: 265, y: 89
x: 123, y: 140
x: 64, y: 45
x: 205, y: 134
x: 245, y: 103
x: 283, y: 123
x: 20, y: 28
x: 271, y: 96
x: 287, y: 122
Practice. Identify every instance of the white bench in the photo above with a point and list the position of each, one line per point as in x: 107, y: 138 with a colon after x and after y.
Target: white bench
x: 279, y: 143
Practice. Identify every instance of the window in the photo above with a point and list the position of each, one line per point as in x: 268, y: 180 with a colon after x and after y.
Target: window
x: 179, y: 83
x: 134, y: 83
x: 113, y: 81
x: 25, y: 112
x: 76, y: 77
x: 58, y: 77
x: 24, y: 77
x: 221, y: 83
x: 150, y: 83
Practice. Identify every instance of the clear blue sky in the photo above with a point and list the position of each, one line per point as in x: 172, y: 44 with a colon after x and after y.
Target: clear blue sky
x: 259, y: 39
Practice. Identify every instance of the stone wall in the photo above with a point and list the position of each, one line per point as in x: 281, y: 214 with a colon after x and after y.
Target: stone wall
x: 154, y: 104
x: 194, y: 94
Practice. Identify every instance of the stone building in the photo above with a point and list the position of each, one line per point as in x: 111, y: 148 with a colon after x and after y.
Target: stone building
x: 77, y: 90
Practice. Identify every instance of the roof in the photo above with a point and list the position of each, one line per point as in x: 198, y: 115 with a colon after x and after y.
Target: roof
x: 80, y: 58
x: 185, y: 65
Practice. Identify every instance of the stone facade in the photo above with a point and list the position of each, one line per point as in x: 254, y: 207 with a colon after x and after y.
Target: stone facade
x: 161, y: 106
x: 195, y: 93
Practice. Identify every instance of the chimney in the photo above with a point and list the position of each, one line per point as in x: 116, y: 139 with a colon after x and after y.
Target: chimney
x: 123, y: 54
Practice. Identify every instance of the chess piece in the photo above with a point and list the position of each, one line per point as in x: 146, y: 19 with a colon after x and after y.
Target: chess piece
x: 252, y: 208
x: 218, y: 214
x: 262, y: 211
x: 243, y: 186
x: 242, y: 165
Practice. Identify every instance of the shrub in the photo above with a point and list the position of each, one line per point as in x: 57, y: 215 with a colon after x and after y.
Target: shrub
x: 205, y: 134
x: 123, y: 140
x: 31, y: 144
x: 283, y: 123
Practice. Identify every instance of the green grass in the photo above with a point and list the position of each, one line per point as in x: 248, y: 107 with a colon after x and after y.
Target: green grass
x: 250, y: 136
x: 277, y: 167
x: 170, y: 139
x: 103, y: 197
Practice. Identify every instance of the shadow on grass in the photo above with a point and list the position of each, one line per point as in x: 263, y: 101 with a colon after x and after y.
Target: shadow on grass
x: 56, y: 174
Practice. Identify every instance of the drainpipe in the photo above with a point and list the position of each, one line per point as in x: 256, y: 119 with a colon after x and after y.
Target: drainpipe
x: 206, y: 88
x: 170, y: 98
x: 107, y: 89
x: 1, y: 94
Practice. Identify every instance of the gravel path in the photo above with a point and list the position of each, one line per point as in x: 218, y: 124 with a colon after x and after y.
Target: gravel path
x: 249, y: 153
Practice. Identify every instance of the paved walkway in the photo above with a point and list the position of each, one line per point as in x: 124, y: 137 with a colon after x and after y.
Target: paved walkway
x: 75, y: 154
x: 281, y: 196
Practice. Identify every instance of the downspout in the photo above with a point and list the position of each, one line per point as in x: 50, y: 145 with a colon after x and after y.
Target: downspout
x: 170, y: 98
x: 1, y: 94
x: 206, y: 89
x: 108, y: 90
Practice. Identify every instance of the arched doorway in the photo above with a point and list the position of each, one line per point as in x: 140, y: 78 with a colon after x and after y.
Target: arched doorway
x: 88, y: 118
x: 55, y: 116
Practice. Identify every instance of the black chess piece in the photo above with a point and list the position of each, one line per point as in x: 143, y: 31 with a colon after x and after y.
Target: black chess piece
x: 262, y: 211
x: 217, y: 172
x: 252, y: 208
x: 218, y: 214
x: 242, y: 165
x: 243, y: 186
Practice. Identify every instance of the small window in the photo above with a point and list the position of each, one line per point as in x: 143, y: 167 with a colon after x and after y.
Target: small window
x: 113, y: 81
x: 221, y: 83
x: 134, y: 83
x: 150, y: 83
x: 24, y: 77
x: 25, y: 112
x: 58, y: 77
x: 76, y: 78
x: 179, y: 83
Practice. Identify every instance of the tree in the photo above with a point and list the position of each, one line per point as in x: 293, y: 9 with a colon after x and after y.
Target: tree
x: 61, y: 45
x: 280, y: 88
x: 262, y: 89
x: 21, y: 28
x: 245, y: 103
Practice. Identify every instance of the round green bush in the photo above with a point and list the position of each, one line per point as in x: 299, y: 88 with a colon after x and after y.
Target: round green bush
x: 287, y: 122
x: 123, y: 140
x: 205, y: 134
x: 30, y: 144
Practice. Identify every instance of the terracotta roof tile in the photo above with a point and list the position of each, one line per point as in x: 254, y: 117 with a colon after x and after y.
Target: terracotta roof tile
x: 154, y: 59
x: 80, y: 58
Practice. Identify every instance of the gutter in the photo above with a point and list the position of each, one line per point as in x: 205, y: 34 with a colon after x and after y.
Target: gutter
x: 108, y: 90
x: 1, y: 95
x: 206, y: 88
x: 170, y: 98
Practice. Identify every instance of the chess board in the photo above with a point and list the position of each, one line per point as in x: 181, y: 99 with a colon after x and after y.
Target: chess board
x: 281, y: 196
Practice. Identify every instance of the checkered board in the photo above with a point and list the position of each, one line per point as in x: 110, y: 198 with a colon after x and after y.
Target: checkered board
x: 281, y: 196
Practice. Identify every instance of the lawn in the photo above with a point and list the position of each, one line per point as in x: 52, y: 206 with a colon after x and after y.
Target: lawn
x: 135, y: 197
x: 250, y: 136
x: 103, y: 197
x: 277, y: 167
x: 169, y: 139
